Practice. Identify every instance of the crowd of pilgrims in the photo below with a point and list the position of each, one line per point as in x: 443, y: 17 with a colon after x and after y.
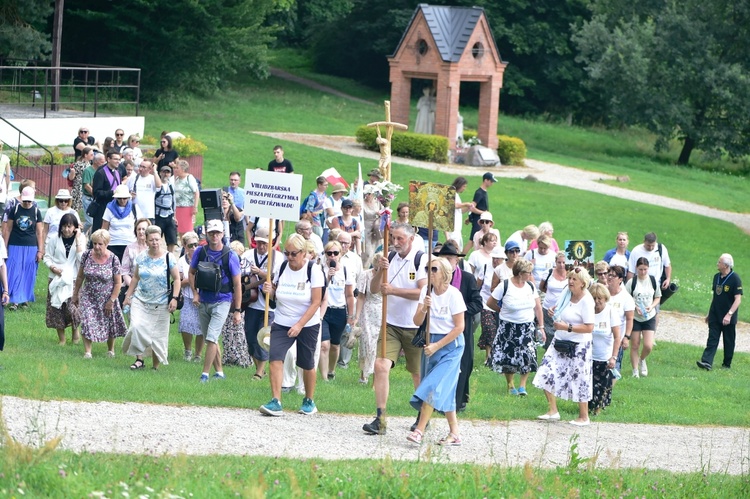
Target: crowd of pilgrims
x: 526, y: 309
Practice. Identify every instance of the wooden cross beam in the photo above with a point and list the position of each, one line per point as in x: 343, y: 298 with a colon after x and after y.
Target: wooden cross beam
x: 384, y: 165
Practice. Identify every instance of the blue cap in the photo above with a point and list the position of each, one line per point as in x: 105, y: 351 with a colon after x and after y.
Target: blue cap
x: 509, y: 245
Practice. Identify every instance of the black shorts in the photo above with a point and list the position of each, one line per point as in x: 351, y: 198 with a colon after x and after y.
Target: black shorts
x: 649, y: 325
x: 168, y: 228
x: 306, y: 341
x: 334, y: 322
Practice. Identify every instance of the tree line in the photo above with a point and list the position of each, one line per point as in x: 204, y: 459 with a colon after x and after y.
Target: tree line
x: 679, y: 69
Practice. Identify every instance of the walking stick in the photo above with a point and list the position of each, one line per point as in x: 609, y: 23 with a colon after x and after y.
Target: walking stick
x: 265, y: 331
x: 429, y: 276
x: 386, y: 232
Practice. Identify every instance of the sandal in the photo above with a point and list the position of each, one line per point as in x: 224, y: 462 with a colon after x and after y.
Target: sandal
x: 258, y: 376
x: 87, y: 355
x: 138, y: 364
x: 452, y: 440
x: 415, y: 436
x: 13, y: 307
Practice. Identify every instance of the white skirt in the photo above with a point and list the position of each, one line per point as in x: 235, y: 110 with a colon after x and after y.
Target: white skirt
x: 148, y: 332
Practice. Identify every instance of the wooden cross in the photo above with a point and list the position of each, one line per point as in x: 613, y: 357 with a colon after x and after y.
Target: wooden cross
x: 384, y: 165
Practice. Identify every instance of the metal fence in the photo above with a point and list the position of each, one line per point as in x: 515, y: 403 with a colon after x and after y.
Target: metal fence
x: 81, y: 88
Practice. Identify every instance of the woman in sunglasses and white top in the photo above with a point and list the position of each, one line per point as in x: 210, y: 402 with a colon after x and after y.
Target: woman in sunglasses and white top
x: 338, y: 308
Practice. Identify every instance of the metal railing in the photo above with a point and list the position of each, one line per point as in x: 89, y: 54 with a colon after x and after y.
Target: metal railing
x: 80, y: 88
x: 40, y: 173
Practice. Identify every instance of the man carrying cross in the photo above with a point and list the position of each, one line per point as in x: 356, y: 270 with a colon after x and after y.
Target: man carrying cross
x: 406, y: 276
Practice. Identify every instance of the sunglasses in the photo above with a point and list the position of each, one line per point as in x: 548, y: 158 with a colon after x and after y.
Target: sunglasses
x: 602, y: 274
x: 192, y: 245
x: 332, y: 253
x: 516, y: 250
x: 485, y: 222
x: 434, y: 269
x: 119, y: 134
x: 62, y: 200
x: 293, y: 254
x: 84, y: 131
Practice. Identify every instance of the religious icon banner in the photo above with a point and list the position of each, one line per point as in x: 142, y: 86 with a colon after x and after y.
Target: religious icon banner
x: 426, y: 197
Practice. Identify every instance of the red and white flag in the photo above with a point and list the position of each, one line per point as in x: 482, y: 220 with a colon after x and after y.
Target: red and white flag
x: 334, y: 177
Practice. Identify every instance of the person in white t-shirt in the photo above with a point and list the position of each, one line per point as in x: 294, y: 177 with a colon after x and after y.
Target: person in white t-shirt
x: 296, y: 322
x: 542, y: 258
x: 620, y: 254
x: 143, y: 188
x: 606, y: 344
x: 460, y: 185
x: 256, y: 259
x: 405, y: 278
x: 567, y: 375
x: 657, y: 255
x: 523, y: 236
x: 437, y: 390
x: 339, y: 308
x: 622, y: 303
x: 514, y: 348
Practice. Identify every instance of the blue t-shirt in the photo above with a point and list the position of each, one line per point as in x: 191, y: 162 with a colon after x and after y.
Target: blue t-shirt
x: 215, y: 256
x: 152, y: 274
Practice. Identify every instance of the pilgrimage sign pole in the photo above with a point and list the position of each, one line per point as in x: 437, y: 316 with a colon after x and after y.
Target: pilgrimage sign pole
x: 384, y: 165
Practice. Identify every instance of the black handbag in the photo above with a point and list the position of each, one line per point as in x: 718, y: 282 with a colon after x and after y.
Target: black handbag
x: 420, y: 336
x: 93, y: 209
x: 565, y: 347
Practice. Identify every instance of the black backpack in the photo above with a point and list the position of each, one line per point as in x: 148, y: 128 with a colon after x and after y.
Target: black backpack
x: 505, y: 290
x: 208, y: 275
x: 417, y: 259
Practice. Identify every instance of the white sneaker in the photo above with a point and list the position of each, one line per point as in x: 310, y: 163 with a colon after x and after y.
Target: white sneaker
x: 644, y: 368
x: 635, y: 373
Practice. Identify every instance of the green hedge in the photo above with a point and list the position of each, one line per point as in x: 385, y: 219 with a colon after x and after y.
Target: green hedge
x: 511, y: 150
x: 410, y: 145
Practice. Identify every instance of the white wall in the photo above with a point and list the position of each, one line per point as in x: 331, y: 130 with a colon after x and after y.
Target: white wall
x: 56, y: 131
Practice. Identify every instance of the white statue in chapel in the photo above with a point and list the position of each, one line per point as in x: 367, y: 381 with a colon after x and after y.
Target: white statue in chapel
x: 426, y: 113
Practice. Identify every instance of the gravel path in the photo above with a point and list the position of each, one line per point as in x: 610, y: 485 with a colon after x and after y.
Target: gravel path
x: 339, y: 436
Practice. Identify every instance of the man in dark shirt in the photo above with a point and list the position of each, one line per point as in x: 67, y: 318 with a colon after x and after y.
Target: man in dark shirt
x: 279, y: 164
x: 83, y: 140
x: 726, y: 288
x: 479, y: 205
x: 106, y: 179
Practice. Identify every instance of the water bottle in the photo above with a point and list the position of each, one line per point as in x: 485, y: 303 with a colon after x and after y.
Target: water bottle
x: 126, y: 309
x: 538, y: 336
x: 348, y: 328
x: 616, y: 373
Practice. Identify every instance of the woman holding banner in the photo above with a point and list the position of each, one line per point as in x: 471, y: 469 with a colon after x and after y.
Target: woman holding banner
x: 437, y: 390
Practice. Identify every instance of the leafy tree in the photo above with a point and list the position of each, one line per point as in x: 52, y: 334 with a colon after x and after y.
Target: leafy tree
x: 180, y: 45
x: 22, y: 29
x: 680, y: 70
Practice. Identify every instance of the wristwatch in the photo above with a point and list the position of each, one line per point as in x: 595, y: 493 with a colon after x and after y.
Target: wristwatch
x: 175, y: 298
x: 237, y: 310
x: 627, y: 337
x: 570, y: 327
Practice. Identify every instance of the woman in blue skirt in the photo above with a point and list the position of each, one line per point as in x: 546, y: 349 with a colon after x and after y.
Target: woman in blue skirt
x: 437, y: 391
x: 23, y: 234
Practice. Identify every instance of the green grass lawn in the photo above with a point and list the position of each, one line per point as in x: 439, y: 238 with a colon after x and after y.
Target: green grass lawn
x: 64, y: 474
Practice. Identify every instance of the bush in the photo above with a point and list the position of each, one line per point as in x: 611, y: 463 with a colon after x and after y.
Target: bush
x: 410, y: 145
x: 189, y: 147
x: 510, y: 150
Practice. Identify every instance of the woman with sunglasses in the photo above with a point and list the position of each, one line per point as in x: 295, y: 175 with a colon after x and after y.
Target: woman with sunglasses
x: 338, y: 309
x: 486, y: 226
x: 63, y: 257
x: 514, y: 348
x: 24, y: 236
x: 481, y: 257
x: 348, y: 223
x: 119, y: 219
x: 296, y: 322
x: 437, y: 389
x: 568, y: 375
x: 134, y: 141
x: 55, y: 214
x: 189, y: 321
x: 165, y: 154
x: 605, y: 345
